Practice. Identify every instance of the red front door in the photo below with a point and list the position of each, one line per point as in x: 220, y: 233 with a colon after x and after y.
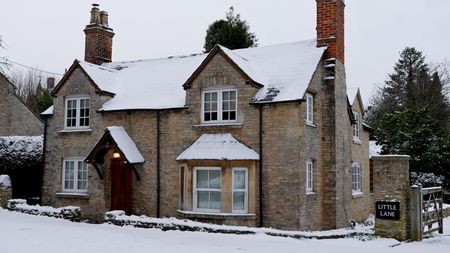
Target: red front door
x: 121, y: 186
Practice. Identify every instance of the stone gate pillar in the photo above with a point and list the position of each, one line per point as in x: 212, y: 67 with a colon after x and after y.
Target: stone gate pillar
x: 392, y: 195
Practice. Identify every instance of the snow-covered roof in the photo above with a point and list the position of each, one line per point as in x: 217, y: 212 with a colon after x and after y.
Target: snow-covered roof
x: 48, y: 111
x: 144, y: 84
x: 284, y: 70
x: 125, y: 144
x: 374, y: 149
x: 218, y: 147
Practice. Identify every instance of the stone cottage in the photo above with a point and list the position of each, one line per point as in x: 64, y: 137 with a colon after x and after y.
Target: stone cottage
x: 260, y: 136
x: 16, y: 119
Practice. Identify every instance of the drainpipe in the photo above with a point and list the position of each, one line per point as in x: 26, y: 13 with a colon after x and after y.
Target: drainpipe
x: 158, y: 174
x: 261, y: 132
x: 44, y: 144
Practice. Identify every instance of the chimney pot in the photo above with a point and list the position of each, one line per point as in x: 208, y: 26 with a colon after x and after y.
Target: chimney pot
x: 104, y: 18
x: 95, y: 15
x: 50, y: 83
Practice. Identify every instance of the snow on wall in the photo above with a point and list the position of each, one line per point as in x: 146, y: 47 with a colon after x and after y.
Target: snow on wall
x: 72, y: 213
x: 48, y: 111
x: 5, y: 182
x: 218, y: 147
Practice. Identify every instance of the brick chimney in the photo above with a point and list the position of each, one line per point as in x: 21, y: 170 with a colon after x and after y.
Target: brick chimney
x: 98, y: 47
x: 330, y: 27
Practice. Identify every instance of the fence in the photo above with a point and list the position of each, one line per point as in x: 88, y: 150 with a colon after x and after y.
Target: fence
x: 426, y: 211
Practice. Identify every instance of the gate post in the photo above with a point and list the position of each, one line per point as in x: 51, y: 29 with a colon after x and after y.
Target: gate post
x: 416, y: 212
x: 392, y: 193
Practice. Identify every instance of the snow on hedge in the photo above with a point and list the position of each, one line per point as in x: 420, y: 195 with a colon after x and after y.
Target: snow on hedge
x: 16, y: 151
x: 5, y: 182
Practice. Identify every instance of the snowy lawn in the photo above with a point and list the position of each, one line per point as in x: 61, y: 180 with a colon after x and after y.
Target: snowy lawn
x: 27, y: 233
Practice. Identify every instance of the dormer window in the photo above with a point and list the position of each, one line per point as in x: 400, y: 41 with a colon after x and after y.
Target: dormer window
x: 77, y: 112
x: 219, y: 106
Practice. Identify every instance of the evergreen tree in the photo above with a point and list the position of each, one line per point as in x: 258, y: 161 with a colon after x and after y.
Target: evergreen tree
x: 417, y: 134
x: 412, y: 85
x: 232, y: 33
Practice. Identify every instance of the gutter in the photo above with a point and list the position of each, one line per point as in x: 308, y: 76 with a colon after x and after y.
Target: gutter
x: 44, y: 145
x: 158, y: 165
x: 261, y: 133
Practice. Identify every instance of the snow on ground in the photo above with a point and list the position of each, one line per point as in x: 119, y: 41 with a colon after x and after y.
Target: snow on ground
x: 27, y: 233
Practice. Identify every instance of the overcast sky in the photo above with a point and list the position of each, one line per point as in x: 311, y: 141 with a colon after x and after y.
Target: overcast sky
x: 49, y: 34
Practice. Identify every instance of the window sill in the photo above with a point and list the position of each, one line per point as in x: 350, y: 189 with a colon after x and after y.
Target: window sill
x: 311, y: 193
x: 75, y: 130
x: 357, y: 194
x: 356, y: 141
x: 222, y: 124
x: 76, y: 195
x: 205, y: 215
x: 311, y: 125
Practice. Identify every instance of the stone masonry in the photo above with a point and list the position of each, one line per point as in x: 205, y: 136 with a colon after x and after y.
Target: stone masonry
x: 391, y: 183
x: 16, y: 118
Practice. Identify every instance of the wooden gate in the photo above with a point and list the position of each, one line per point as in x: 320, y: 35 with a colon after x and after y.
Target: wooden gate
x: 427, y: 211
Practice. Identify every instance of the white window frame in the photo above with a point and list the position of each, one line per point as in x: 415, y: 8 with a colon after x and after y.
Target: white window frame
x: 309, y: 109
x: 219, y: 106
x: 356, y: 127
x: 194, y: 192
x: 239, y: 190
x: 76, y: 180
x: 309, y: 176
x: 356, y: 178
x: 78, y: 111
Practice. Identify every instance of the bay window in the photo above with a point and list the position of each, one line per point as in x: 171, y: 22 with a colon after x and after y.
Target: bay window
x: 240, y: 190
x: 207, y: 189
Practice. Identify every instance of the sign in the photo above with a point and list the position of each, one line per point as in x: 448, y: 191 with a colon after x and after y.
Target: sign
x: 387, y: 210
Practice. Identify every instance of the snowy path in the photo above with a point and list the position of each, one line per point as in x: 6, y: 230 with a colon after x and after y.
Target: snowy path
x: 26, y: 233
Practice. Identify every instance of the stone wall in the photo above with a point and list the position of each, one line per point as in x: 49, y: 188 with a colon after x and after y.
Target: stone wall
x: 5, y: 190
x: 16, y: 118
x: 391, y: 183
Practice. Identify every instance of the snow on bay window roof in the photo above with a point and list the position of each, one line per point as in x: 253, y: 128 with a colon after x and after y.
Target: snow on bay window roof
x: 218, y: 147
x: 284, y: 71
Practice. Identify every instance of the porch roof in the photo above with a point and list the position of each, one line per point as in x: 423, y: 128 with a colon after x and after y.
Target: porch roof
x: 218, y: 147
x: 118, y: 136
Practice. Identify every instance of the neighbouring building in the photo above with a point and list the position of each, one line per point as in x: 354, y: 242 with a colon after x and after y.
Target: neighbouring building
x: 261, y: 136
x: 16, y: 119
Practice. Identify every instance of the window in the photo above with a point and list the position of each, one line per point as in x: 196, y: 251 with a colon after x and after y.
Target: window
x: 240, y: 188
x: 309, y: 176
x: 75, y: 175
x: 77, y: 112
x: 207, y: 189
x: 219, y: 106
x: 356, y: 178
x: 356, y: 126
x: 309, y: 109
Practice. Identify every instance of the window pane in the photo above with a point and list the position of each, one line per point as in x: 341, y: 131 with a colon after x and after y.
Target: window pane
x: 238, y: 200
x: 69, y: 175
x: 207, y: 116
x: 202, y: 179
x: 214, y: 116
x: 232, y: 115
x: 215, y: 200
x: 225, y: 115
x: 214, y: 179
x: 225, y: 105
x: 82, y: 175
x: 213, y: 106
x: 225, y: 95
x: 203, y: 199
x: 239, y: 180
x: 232, y: 95
x: 214, y: 96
